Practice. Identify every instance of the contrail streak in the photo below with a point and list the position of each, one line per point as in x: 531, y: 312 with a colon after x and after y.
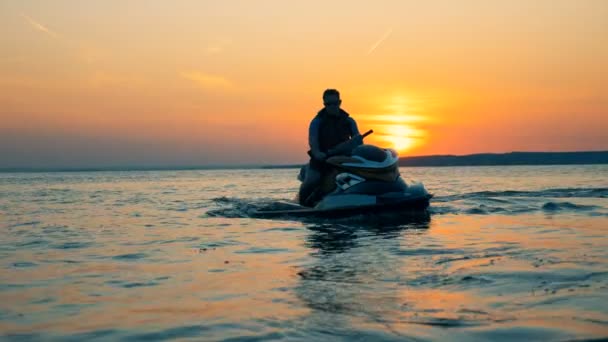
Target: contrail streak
x: 39, y: 26
x: 383, y: 38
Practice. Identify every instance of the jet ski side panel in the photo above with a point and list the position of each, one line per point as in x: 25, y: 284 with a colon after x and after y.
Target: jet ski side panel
x: 412, y: 206
x: 377, y: 187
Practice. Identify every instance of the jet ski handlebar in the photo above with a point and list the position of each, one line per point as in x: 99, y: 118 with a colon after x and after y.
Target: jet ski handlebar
x: 367, y: 133
x: 347, y: 146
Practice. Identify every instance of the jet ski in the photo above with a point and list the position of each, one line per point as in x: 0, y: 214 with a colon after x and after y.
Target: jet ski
x: 366, y: 180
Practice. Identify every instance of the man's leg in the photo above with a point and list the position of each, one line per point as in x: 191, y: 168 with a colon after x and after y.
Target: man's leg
x: 308, y: 186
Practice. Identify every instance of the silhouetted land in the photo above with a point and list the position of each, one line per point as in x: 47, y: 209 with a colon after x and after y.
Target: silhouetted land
x: 512, y: 158
x: 494, y: 159
x: 482, y: 159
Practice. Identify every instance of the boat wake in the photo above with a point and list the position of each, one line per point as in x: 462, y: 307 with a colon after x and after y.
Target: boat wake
x: 583, y: 201
x: 587, y: 201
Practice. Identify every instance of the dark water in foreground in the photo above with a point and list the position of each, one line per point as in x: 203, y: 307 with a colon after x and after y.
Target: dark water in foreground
x: 506, y: 253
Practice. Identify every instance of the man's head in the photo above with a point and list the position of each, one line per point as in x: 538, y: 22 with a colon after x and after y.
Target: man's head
x: 331, y: 101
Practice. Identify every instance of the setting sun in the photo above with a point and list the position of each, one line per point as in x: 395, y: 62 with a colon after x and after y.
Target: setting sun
x: 396, y: 124
x: 401, y: 137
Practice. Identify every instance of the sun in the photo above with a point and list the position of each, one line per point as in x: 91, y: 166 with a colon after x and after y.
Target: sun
x: 401, y: 144
x: 397, y: 121
x: 401, y: 137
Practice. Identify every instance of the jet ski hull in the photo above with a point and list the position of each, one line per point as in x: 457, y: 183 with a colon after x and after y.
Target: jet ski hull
x: 411, y: 205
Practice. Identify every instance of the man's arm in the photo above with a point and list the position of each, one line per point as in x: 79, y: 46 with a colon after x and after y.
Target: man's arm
x: 355, y: 135
x: 346, y: 147
x: 354, y: 130
x: 313, y: 139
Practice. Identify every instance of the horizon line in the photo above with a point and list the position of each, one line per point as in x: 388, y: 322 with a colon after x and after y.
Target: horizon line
x: 250, y: 166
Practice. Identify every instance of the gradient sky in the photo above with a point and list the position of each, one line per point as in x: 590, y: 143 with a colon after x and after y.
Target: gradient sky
x: 115, y: 83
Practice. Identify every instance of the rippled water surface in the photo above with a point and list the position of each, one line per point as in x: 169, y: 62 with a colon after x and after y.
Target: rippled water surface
x: 505, y: 253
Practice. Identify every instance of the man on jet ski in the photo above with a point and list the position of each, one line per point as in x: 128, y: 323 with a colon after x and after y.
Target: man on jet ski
x: 331, y: 127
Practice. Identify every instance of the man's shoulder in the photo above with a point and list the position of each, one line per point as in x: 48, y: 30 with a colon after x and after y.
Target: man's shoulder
x: 347, y: 116
x: 315, y: 122
x: 318, y: 116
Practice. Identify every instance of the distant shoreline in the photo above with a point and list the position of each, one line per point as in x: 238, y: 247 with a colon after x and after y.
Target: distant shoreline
x: 511, y: 158
x: 479, y: 159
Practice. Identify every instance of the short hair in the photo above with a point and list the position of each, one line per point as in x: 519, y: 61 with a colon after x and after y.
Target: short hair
x: 330, y: 92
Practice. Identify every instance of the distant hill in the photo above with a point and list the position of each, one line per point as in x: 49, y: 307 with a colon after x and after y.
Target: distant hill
x: 512, y: 158
x: 488, y: 159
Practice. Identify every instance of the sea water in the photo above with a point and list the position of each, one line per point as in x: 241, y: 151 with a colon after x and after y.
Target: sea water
x: 505, y: 253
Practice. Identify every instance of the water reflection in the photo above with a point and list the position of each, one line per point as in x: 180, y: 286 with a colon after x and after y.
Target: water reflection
x: 353, y: 279
x: 331, y: 238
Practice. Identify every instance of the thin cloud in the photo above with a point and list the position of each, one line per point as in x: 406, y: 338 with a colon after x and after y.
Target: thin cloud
x: 206, y: 81
x: 115, y: 80
x: 393, y: 118
x: 38, y: 26
x: 211, y: 50
x: 218, y: 46
x: 382, y: 39
x: 84, y: 53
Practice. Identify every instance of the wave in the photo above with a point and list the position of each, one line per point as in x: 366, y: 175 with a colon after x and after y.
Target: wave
x: 559, y: 206
x: 512, y: 202
x: 548, y: 193
x: 233, y: 207
x: 547, y: 207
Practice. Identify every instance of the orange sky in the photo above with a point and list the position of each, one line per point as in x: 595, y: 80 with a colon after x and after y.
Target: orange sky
x: 111, y: 83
